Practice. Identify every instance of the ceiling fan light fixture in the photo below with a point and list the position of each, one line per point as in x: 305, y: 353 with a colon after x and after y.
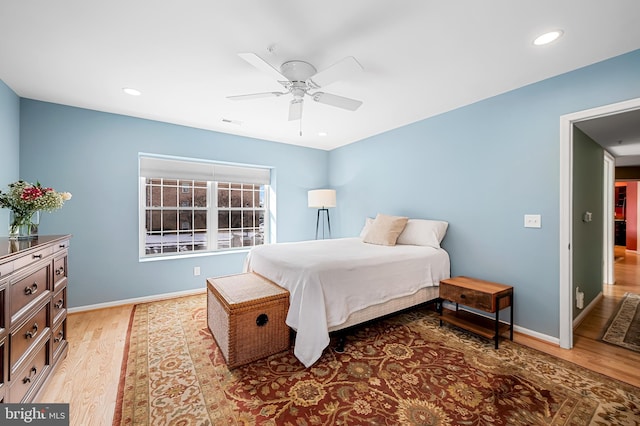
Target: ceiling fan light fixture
x: 131, y: 91
x: 548, y: 37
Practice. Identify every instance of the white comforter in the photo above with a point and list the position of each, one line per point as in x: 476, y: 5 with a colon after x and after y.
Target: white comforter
x: 328, y: 280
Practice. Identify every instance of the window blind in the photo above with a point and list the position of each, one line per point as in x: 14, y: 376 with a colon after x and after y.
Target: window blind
x: 168, y: 168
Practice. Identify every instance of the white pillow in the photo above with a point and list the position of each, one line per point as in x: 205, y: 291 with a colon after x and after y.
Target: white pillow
x: 385, y: 230
x: 423, y: 232
x: 367, y: 224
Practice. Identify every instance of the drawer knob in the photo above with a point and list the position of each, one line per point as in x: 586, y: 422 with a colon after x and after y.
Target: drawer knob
x: 59, y: 337
x: 59, y: 304
x: 32, y: 333
x: 32, y: 372
x: 262, y: 320
x: 462, y: 296
x: 31, y: 290
x: 60, y: 270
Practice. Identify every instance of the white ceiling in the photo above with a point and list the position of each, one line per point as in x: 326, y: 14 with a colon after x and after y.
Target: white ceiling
x: 619, y: 134
x: 420, y: 57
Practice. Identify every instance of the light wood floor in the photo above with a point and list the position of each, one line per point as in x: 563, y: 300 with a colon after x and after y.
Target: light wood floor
x: 88, y: 378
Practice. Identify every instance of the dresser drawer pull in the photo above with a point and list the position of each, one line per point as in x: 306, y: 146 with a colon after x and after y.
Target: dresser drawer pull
x: 60, y: 270
x: 462, y: 296
x: 59, y: 304
x: 62, y: 246
x: 32, y: 372
x: 30, y: 335
x: 31, y: 290
x: 37, y: 256
x: 59, y: 337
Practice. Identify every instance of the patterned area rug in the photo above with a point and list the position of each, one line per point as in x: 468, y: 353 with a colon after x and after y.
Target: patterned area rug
x: 402, y: 370
x: 624, y: 327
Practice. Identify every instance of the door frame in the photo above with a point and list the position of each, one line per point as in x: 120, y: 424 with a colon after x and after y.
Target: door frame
x: 608, y: 270
x: 566, y: 208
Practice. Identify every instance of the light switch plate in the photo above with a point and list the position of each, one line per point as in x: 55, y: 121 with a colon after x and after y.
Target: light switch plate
x: 532, y: 221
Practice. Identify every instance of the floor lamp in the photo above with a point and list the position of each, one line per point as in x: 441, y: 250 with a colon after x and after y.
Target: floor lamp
x: 322, y: 199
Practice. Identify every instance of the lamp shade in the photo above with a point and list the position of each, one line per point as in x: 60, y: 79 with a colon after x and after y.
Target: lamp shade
x: 322, y: 198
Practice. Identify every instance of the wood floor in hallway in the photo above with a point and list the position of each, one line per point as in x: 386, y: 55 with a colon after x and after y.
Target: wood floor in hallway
x: 588, y: 350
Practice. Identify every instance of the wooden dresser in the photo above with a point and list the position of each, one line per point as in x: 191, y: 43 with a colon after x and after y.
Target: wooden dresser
x: 33, y: 313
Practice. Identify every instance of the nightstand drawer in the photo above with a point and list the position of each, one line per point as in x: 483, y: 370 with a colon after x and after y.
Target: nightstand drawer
x: 468, y: 297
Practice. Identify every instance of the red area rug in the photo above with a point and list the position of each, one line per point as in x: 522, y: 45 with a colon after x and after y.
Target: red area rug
x: 402, y: 370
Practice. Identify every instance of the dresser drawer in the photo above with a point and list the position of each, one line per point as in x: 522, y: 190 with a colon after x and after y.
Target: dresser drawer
x: 62, y: 245
x: 31, y: 258
x: 59, y: 304
x: 26, y: 291
x: 4, y: 372
x: 4, y: 307
x: 28, y: 375
x: 24, y: 338
x: 468, y: 297
x: 59, y: 271
x: 59, y: 338
x: 5, y: 269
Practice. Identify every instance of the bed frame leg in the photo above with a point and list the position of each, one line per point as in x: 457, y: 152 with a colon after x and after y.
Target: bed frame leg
x: 340, y: 345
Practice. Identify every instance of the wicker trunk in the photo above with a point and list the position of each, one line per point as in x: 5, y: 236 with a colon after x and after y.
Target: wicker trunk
x: 246, y: 314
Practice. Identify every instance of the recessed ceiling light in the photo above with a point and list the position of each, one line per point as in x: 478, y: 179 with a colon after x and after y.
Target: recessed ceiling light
x: 547, y: 38
x: 131, y: 91
x: 322, y: 133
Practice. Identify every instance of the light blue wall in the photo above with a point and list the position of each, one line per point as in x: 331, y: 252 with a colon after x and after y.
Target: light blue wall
x: 482, y: 168
x: 9, y: 145
x: 94, y: 156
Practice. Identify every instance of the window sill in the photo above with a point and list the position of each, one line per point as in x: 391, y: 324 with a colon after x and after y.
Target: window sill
x: 190, y: 255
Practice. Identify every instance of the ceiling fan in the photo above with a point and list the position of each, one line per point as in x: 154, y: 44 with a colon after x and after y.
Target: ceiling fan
x: 300, y: 78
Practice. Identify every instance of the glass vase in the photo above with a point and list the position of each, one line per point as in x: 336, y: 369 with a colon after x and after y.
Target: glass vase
x: 23, y: 226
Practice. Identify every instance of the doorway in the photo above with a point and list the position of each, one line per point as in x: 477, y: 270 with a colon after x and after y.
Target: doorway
x: 566, y: 211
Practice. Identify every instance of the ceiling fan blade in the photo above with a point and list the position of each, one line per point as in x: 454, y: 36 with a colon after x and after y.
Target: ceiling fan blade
x: 262, y: 65
x: 295, y: 109
x: 255, y: 96
x: 337, y: 101
x: 344, y: 69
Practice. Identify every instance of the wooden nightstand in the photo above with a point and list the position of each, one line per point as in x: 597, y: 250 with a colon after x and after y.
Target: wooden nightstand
x: 477, y: 294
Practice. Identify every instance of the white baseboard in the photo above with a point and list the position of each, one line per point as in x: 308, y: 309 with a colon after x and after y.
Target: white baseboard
x: 136, y: 300
x: 539, y: 336
x: 585, y: 311
x: 522, y: 330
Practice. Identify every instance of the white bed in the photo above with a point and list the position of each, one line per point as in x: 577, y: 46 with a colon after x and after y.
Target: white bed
x: 339, y: 283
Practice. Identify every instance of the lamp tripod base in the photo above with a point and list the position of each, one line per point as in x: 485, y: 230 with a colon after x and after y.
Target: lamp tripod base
x: 318, y: 223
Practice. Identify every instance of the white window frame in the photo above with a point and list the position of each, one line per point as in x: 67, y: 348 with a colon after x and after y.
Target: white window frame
x: 151, y: 164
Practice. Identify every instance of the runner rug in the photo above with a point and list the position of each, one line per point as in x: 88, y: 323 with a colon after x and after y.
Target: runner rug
x: 624, y: 325
x: 404, y: 370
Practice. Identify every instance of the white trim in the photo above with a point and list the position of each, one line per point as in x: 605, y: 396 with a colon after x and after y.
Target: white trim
x: 535, y: 334
x: 608, y: 270
x: 519, y: 329
x: 587, y: 310
x: 566, y: 199
x: 136, y: 300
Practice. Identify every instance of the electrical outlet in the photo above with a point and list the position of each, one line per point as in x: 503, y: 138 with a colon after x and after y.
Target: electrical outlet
x: 532, y: 221
x: 196, y: 271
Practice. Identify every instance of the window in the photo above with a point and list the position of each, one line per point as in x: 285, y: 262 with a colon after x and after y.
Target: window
x: 190, y: 206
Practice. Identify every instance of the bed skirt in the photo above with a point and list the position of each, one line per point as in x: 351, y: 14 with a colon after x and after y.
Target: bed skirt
x: 425, y: 294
